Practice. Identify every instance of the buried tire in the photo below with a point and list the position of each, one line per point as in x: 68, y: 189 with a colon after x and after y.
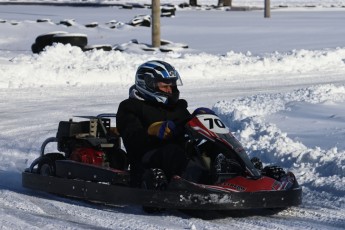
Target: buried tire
x: 97, y: 47
x: 49, y: 39
x: 79, y: 40
x: 35, y: 48
x: 44, y: 40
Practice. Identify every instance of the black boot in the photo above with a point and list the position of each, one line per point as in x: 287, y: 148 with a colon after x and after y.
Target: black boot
x: 154, y: 179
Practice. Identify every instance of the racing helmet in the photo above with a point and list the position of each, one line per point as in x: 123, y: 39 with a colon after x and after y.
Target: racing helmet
x: 148, y: 76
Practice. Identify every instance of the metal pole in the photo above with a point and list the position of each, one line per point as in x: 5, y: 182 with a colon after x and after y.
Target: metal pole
x: 156, y: 23
x: 267, y: 9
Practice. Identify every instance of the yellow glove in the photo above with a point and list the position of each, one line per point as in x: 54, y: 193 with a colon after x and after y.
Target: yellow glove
x: 162, y: 129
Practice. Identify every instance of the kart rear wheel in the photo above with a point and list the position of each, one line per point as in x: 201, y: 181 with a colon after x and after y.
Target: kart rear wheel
x: 46, y: 165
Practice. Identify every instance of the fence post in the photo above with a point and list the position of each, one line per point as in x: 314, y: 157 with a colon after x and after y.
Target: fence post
x: 267, y: 9
x: 156, y: 23
x: 225, y: 3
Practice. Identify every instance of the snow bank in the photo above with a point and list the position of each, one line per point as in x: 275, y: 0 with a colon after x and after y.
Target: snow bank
x: 318, y: 169
x: 67, y: 65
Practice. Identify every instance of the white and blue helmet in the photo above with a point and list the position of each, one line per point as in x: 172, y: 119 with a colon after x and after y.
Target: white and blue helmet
x: 152, y: 72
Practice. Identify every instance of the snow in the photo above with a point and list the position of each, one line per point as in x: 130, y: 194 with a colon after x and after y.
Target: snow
x: 278, y: 84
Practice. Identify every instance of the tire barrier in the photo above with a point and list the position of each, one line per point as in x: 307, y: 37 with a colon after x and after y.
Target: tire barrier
x: 63, y: 37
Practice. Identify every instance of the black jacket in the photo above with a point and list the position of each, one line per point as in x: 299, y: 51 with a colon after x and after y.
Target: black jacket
x: 133, y: 118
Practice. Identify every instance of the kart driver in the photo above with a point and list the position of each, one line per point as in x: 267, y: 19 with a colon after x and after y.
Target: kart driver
x: 151, y: 122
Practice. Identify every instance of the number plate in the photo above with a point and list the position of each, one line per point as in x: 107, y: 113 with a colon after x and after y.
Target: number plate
x: 213, y: 123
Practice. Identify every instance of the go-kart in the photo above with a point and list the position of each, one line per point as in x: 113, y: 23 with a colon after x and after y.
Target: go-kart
x: 90, y: 164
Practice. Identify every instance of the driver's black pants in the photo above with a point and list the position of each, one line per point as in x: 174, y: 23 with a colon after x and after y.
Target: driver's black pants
x: 171, y: 158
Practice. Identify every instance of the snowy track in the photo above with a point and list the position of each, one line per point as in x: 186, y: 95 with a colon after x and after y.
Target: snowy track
x: 59, y: 213
x: 287, y: 107
x: 24, y: 208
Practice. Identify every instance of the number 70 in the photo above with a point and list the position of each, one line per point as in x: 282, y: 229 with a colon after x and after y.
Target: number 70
x: 212, y: 121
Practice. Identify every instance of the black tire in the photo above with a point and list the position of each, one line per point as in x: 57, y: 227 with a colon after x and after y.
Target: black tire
x: 36, y: 48
x: 126, y: 6
x: 43, y: 20
x: 91, y: 25
x: 146, y: 23
x: 141, y: 20
x: 165, y: 42
x: 79, y: 40
x: 168, y: 11
x: 44, y: 40
x: 165, y: 50
x: 67, y: 23
x: 46, y: 165
x: 172, y: 47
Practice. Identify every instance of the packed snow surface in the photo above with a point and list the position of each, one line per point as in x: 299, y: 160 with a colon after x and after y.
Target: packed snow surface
x: 278, y: 83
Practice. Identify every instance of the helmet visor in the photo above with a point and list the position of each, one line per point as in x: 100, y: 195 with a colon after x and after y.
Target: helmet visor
x: 168, y: 81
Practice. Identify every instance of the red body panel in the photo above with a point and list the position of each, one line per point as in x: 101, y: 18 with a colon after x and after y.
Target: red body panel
x: 242, y: 184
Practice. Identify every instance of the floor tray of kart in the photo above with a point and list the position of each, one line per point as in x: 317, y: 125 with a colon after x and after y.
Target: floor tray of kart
x: 91, y: 165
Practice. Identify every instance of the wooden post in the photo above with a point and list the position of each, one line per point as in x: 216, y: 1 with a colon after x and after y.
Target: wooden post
x: 156, y: 23
x: 267, y: 9
x: 228, y: 3
x: 224, y: 3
